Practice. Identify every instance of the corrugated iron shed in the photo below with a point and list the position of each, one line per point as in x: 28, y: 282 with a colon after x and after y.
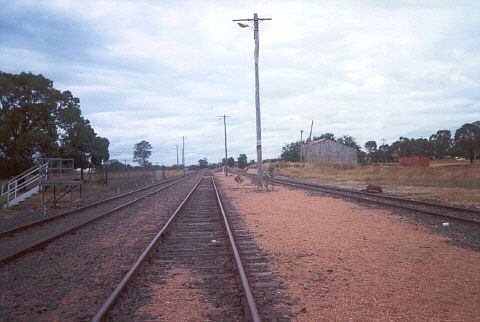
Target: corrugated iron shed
x: 330, y: 151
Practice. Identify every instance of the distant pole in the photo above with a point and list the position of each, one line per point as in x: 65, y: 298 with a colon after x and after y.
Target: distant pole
x: 183, y: 154
x: 301, y: 145
x: 106, y: 174
x: 383, y: 141
x: 225, y: 130
x: 257, y: 95
x: 177, y: 155
x: 125, y: 161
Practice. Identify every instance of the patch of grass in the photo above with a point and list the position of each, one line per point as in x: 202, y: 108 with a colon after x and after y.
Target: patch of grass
x: 453, y: 176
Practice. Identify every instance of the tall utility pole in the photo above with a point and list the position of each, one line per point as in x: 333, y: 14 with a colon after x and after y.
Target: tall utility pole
x: 225, y: 165
x: 301, y: 145
x: 177, y: 155
x: 183, y: 154
x: 257, y: 95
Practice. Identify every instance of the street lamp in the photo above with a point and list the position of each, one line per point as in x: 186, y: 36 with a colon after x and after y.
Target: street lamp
x: 257, y: 94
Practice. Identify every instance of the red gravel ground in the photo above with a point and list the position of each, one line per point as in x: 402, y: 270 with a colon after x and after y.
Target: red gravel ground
x: 175, y: 300
x: 343, y: 261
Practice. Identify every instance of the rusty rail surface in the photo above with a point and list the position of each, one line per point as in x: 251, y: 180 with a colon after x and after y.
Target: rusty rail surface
x: 52, y: 238
x: 413, y: 201
x: 252, y: 311
x: 43, y: 221
x: 251, y: 306
x: 406, y: 204
x: 113, y: 298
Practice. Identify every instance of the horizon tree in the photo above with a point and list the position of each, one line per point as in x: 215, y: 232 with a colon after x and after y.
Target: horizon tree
x: 141, y: 152
x: 242, y: 161
x: 467, y: 140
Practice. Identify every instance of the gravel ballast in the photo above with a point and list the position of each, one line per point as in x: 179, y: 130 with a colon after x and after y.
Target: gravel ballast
x: 345, y: 261
x: 71, y: 278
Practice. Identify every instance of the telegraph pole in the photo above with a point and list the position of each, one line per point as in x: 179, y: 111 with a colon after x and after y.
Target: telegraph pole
x: 257, y: 94
x: 225, y: 130
x: 177, y: 155
x: 183, y: 154
x: 301, y: 145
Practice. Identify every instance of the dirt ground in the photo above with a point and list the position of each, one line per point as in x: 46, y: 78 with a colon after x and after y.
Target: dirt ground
x: 347, y: 262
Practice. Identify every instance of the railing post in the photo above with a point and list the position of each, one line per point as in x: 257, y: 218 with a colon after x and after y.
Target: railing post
x: 8, y: 194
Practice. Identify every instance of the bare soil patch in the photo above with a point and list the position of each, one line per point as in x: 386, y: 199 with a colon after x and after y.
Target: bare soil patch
x: 343, y: 261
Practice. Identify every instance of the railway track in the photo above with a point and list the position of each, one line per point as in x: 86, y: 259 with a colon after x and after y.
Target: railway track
x: 18, y: 241
x: 196, y: 238
x: 450, y: 212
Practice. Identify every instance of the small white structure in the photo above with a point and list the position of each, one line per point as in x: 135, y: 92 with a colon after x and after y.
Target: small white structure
x: 329, y: 151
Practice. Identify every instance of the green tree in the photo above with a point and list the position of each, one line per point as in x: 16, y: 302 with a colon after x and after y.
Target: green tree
x: 242, y: 161
x: 349, y: 141
x: 371, y: 147
x: 327, y: 135
x: 203, y: 163
x: 384, y: 153
x: 467, y: 140
x: 29, y: 104
x: 77, y: 143
x: 100, y: 152
x: 141, y: 152
x: 116, y: 166
x: 290, y: 152
x: 441, y: 143
x: 39, y: 121
x: 231, y: 162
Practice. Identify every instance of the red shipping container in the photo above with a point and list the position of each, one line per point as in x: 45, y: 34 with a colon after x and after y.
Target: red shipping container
x: 415, y: 161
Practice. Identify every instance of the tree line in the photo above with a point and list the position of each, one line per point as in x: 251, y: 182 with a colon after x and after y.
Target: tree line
x: 465, y: 143
x: 440, y: 145
x: 242, y: 163
x: 39, y: 121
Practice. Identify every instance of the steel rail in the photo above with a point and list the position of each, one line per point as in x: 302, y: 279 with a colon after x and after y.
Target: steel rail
x: 251, y: 305
x: 50, y: 239
x: 418, y: 202
x: 337, y: 191
x: 42, y: 221
x: 113, y: 298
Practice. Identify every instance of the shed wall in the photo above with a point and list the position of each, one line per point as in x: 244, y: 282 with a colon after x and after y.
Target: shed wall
x: 329, y: 151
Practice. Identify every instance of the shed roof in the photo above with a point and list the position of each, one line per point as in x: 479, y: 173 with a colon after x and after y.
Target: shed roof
x: 328, y: 140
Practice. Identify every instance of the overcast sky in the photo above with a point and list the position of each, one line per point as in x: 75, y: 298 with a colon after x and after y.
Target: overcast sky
x: 160, y: 70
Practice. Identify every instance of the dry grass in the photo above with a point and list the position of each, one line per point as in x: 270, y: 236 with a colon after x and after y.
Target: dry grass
x: 450, y: 181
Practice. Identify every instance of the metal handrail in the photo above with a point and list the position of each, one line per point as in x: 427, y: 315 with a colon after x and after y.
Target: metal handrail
x: 25, y: 173
x: 29, y: 177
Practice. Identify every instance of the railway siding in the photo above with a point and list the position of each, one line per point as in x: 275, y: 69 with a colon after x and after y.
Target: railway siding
x: 69, y: 279
x: 196, y: 250
x: 342, y: 260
